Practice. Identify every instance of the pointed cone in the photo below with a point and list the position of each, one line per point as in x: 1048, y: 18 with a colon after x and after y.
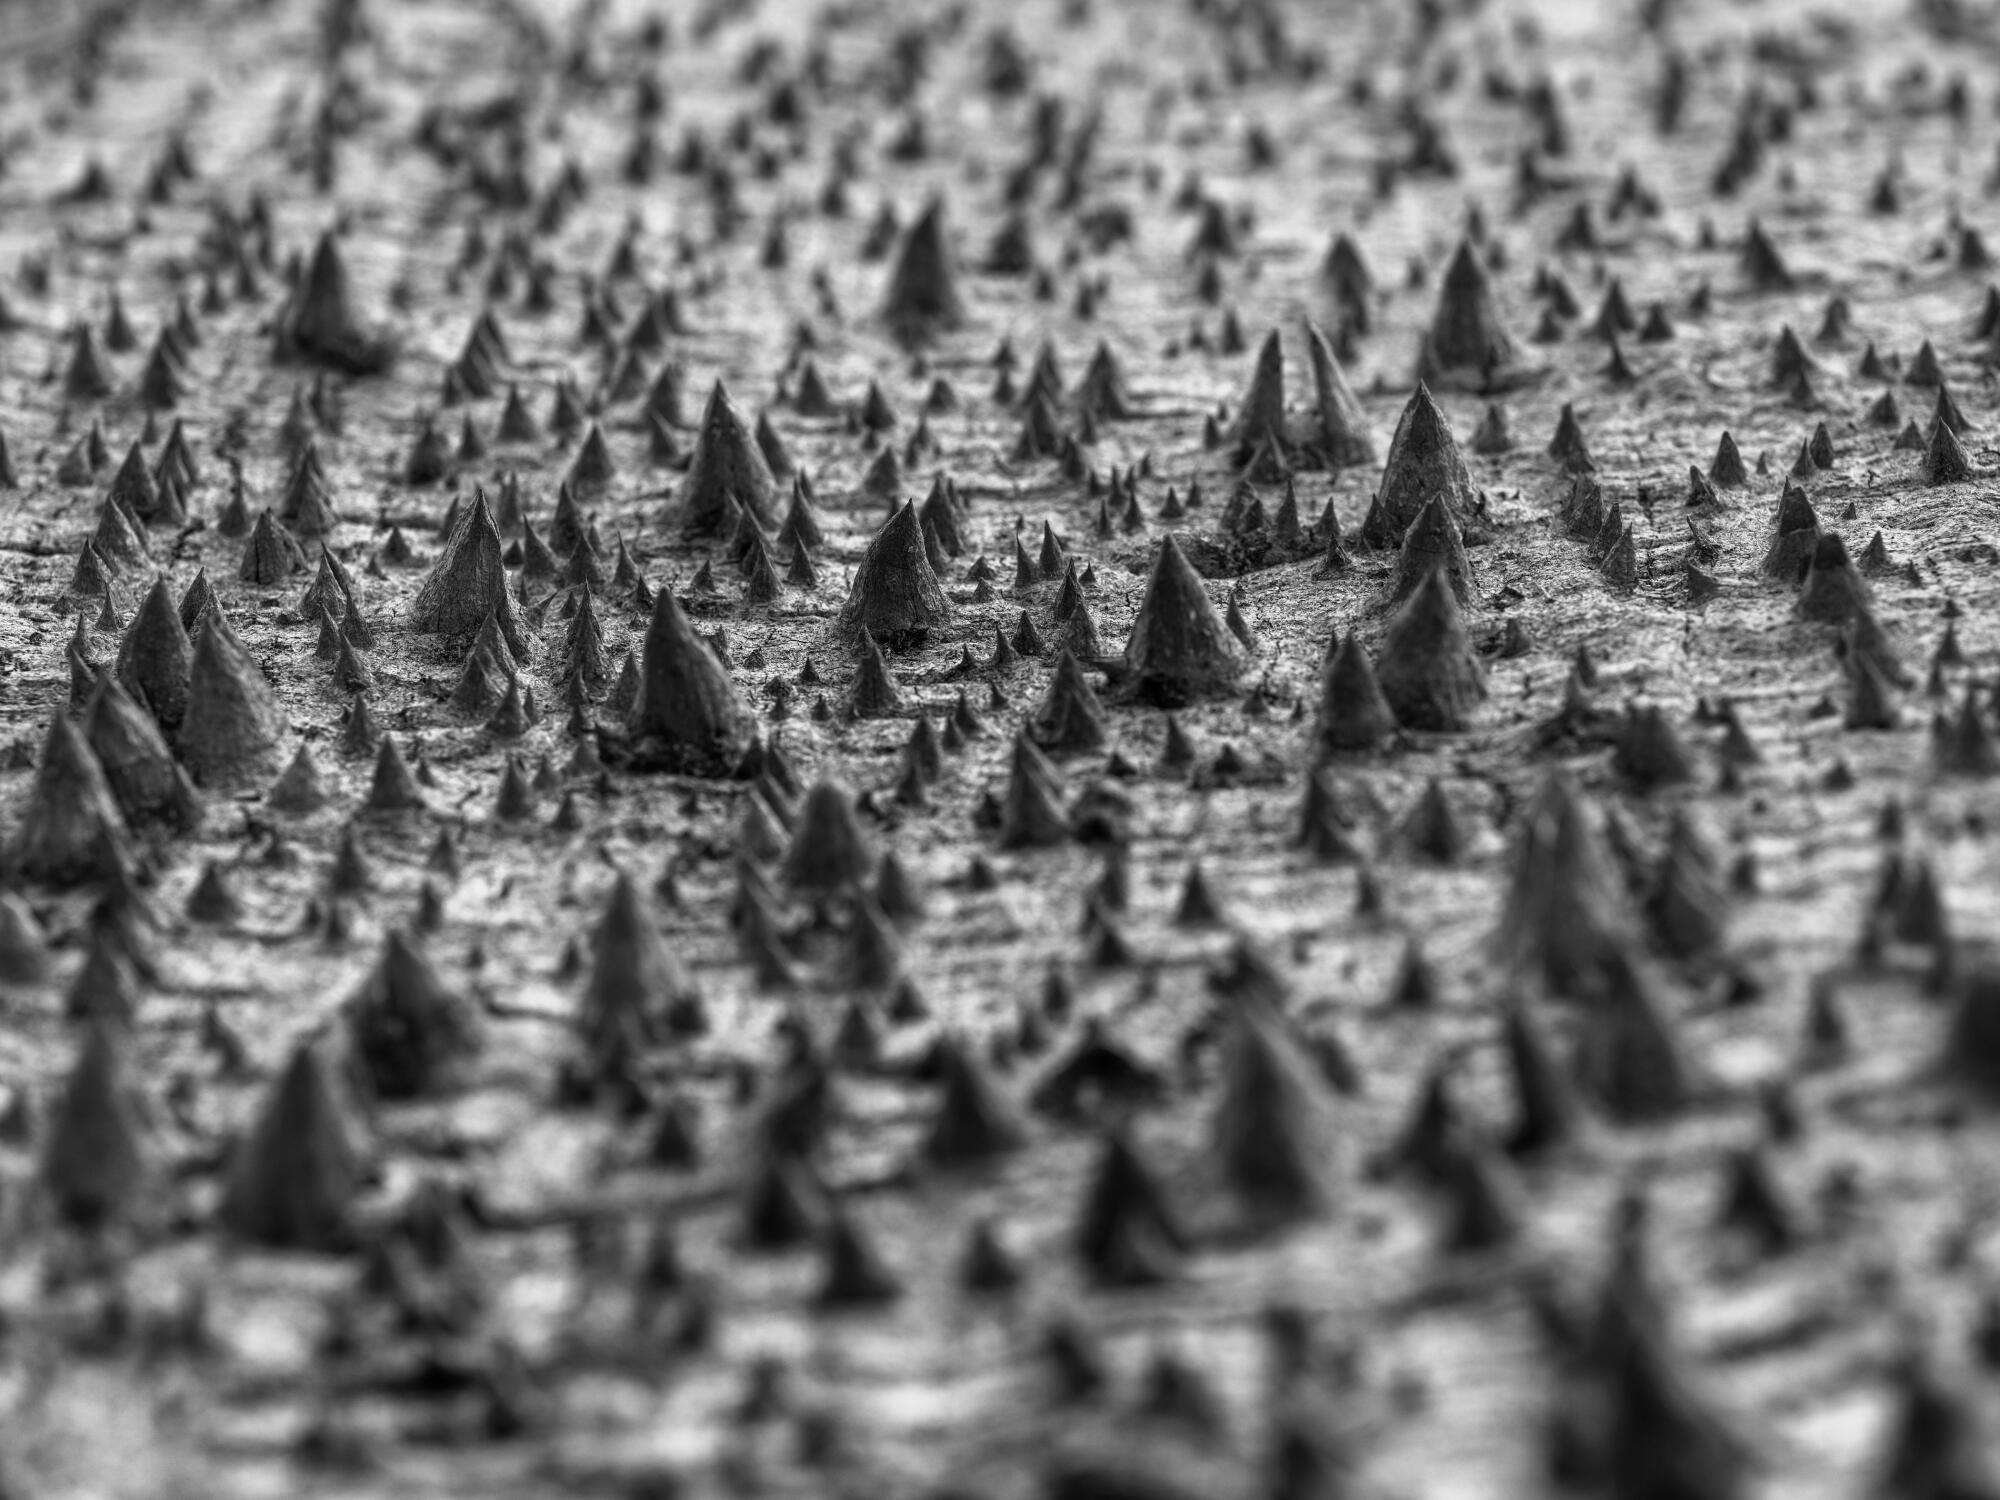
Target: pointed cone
x: 1273, y: 1135
x: 155, y: 657
x: 1482, y: 1207
x: 1467, y: 343
x: 727, y: 465
x: 410, y: 1033
x: 1424, y: 465
x: 1663, y: 1437
x: 1431, y: 830
x: 235, y: 724
x: 117, y: 538
x: 896, y: 596
x: 69, y: 814
x: 93, y: 1165
x: 1427, y: 669
x: 320, y: 322
x: 24, y: 955
x: 86, y: 378
x: 1433, y: 544
x: 1102, y: 392
x: 1649, y: 751
x: 856, y: 1275
x: 1353, y: 714
x: 1945, y: 460
x: 271, y: 555
x: 1180, y: 648
x: 1127, y: 1234
x: 1834, y: 589
x: 923, y: 296
x: 392, y: 788
x: 151, y: 790
x: 638, y: 991
x: 468, y: 581
x: 688, y: 710
x: 830, y: 854
x: 975, y: 1121
x: 1031, y: 812
x: 297, y: 1170
x: 593, y: 469
x: 782, y: 1203
x: 1559, y: 921
x: 1070, y: 719
x: 106, y: 988
x: 307, y: 506
x: 1263, y: 409
x: 1344, y: 434
x: 1630, y: 1057
x: 1547, y: 1114
x: 132, y: 486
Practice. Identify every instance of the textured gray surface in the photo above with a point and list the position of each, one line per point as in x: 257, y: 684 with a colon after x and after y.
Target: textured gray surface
x: 1451, y: 1383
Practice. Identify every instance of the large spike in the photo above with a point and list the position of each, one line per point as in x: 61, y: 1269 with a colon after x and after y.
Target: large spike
x: 1467, y: 344
x: 322, y: 324
x: 688, y: 717
x: 298, y: 1169
x: 923, y: 298
x: 1180, y: 648
x: 638, y: 991
x: 152, y: 791
x: 468, y: 581
x: 1344, y: 434
x: 727, y: 466
x: 1559, y: 920
x: 1273, y: 1132
x: 155, y: 657
x: 1433, y: 545
x: 70, y: 816
x: 235, y: 726
x: 1427, y: 668
x: 1128, y: 1233
x: 830, y: 853
x: 1353, y: 713
x: 411, y: 1033
x: 975, y: 1122
x: 94, y: 1164
x: 896, y: 596
x: 1630, y: 1057
x: 1424, y: 465
x: 1031, y: 812
x: 1262, y: 414
x: 1070, y: 718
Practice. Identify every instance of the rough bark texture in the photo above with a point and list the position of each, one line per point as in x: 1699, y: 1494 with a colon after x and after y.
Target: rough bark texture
x: 719, y: 1256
